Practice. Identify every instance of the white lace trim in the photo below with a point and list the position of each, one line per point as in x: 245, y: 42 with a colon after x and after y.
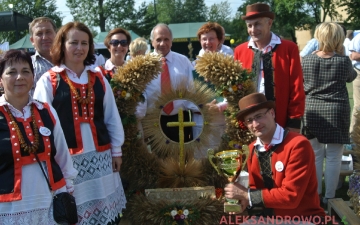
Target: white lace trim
x: 102, y: 211
x: 36, y: 216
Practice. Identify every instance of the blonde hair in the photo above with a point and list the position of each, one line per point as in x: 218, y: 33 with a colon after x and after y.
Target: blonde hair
x: 138, y: 47
x: 330, y: 37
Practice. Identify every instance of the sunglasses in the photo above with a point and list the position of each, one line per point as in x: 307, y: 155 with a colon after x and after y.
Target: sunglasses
x: 115, y: 43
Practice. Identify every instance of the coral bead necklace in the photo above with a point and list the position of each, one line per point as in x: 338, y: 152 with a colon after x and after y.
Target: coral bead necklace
x: 30, y: 148
x: 78, y: 98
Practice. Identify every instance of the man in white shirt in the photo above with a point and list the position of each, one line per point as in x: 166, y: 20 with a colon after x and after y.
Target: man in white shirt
x: 349, y: 36
x: 42, y: 34
x: 354, y: 48
x: 180, y: 70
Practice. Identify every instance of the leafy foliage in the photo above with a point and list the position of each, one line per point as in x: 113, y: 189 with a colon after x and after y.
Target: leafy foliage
x: 194, y: 11
x: 179, y: 11
x: 352, y: 8
x: 105, y: 14
x: 220, y: 12
x: 142, y: 21
x: 30, y: 8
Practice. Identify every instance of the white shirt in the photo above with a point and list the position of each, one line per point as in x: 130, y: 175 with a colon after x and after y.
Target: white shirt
x: 44, y: 93
x: 109, y: 65
x: 180, y: 69
x: 354, y: 45
x: 226, y: 50
x: 100, y: 60
x: 41, y: 66
x: 36, y: 195
x: 274, y: 41
x: 276, y: 139
x: 346, y: 46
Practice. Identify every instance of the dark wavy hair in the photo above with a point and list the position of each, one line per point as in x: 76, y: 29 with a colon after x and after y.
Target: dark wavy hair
x: 57, y: 49
x: 13, y: 56
x: 209, y: 26
x: 116, y: 31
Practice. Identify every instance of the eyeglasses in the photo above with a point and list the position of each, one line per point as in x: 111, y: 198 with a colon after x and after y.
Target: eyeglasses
x: 257, y: 117
x: 115, y: 43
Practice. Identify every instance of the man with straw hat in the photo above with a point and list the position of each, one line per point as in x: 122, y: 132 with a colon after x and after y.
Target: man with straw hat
x: 276, y: 63
x: 281, y: 166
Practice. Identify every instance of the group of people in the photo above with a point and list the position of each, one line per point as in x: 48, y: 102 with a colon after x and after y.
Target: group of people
x: 59, y: 105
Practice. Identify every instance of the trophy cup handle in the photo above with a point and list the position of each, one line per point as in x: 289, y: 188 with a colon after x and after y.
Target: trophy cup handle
x: 211, y: 155
x: 246, y: 152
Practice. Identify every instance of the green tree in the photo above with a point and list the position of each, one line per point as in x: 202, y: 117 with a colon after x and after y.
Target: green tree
x: 237, y: 29
x: 194, y: 11
x: 352, y: 8
x: 320, y: 10
x: 179, y: 11
x: 168, y: 10
x: 220, y: 12
x: 142, y: 21
x: 105, y: 14
x: 291, y: 16
x: 30, y: 8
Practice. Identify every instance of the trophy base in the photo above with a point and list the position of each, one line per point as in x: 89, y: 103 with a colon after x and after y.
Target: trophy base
x: 232, y: 208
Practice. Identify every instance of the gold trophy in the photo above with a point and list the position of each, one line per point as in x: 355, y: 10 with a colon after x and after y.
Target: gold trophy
x: 230, y: 163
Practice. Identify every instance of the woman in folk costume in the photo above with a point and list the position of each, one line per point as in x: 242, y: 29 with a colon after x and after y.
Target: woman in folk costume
x: 84, y: 101
x: 117, y: 42
x: 28, y: 127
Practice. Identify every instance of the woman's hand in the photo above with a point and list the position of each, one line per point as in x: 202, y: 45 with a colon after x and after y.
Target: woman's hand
x: 69, y: 186
x: 116, y: 163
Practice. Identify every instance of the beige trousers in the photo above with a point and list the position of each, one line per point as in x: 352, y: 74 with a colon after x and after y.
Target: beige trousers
x: 356, y: 97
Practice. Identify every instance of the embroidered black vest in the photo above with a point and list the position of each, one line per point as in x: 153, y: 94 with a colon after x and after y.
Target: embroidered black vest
x: 12, y: 160
x: 71, y: 113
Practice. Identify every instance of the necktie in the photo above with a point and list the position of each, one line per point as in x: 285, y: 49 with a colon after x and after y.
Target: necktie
x: 267, y: 147
x: 166, y: 85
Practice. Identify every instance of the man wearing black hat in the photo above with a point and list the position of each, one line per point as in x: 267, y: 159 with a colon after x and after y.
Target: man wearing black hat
x: 281, y: 179
x: 276, y: 63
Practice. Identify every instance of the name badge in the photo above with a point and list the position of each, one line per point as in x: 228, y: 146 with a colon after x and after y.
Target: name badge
x: 279, y: 166
x: 44, y: 131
